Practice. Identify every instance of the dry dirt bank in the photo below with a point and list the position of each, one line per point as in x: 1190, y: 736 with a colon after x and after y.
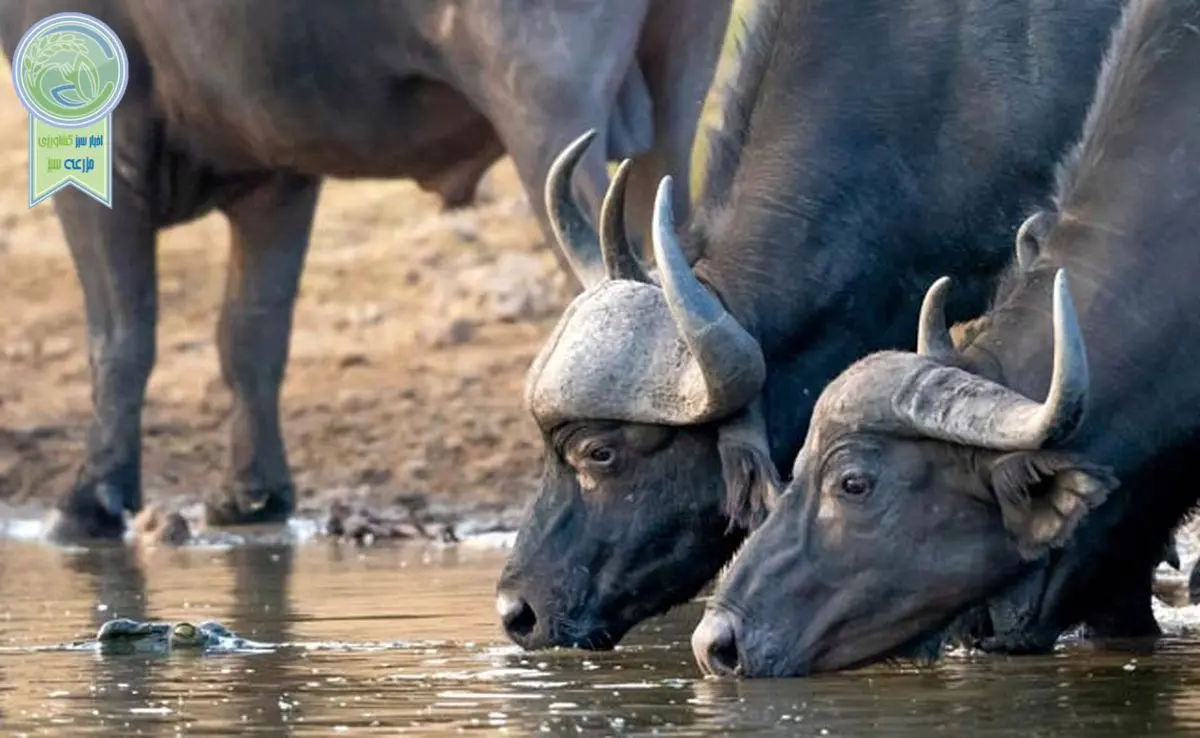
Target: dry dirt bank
x: 412, y: 335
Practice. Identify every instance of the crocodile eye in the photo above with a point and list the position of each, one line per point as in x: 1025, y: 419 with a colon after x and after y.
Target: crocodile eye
x: 185, y: 631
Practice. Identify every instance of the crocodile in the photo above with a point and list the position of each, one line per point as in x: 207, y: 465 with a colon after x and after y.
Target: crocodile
x: 125, y: 635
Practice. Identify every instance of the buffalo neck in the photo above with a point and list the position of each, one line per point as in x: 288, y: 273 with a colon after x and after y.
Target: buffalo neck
x: 868, y: 166
x: 1137, y: 325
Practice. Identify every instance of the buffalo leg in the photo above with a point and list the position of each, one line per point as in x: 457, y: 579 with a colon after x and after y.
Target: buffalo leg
x: 1129, y: 615
x: 1122, y: 589
x: 679, y: 52
x: 560, y: 77
x: 270, y: 228
x: 1109, y: 593
x: 1016, y: 619
x: 1117, y: 593
x: 1110, y: 598
x: 631, y: 127
x: 114, y: 255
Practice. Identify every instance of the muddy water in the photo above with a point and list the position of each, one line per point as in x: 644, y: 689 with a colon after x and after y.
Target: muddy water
x: 390, y: 640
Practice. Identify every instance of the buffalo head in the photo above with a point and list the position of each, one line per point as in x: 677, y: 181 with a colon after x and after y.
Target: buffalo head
x: 921, y: 490
x: 646, y: 394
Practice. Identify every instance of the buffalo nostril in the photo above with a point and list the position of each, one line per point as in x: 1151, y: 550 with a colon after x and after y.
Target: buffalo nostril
x: 714, y: 645
x: 518, y: 617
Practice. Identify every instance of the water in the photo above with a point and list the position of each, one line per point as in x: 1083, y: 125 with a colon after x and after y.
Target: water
x: 404, y: 640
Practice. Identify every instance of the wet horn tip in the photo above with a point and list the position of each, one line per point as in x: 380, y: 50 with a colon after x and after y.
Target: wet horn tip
x: 620, y: 261
x: 1069, y: 384
x: 664, y: 211
x: 933, y: 339
x: 576, y: 239
x: 564, y: 164
x: 612, y: 210
x: 668, y: 254
x: 663, y: 221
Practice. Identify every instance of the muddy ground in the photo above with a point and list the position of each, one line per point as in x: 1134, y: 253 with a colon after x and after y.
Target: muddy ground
x: 413, y: 331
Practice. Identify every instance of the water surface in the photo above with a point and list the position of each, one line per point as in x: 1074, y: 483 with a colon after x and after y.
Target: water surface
x: 394, y: 640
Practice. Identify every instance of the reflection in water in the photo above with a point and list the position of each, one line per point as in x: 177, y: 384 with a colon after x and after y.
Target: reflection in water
x: 115, y: 582
x: 404, y: 639
x: 261, y: 610
x: 116, y: 588
x: 1066, y: 694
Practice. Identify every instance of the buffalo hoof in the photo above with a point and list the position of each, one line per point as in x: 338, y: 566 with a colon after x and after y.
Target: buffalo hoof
x: 250, y: 507
x: 1022, y: 643
x: 89, y: 512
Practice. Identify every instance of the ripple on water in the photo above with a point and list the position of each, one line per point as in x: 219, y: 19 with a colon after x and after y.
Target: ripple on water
x: 396, y: 639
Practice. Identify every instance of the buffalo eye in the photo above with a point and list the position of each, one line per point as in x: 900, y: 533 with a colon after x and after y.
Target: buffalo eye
x: 855, y: 484
x: 601, y: 456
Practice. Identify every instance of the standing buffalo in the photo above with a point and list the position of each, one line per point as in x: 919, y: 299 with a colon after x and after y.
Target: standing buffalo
x: 930, y: 482
x: 867, y: 146
x: 243, y: 107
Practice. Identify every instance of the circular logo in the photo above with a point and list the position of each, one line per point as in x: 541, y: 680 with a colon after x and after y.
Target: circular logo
x: 70, y: 70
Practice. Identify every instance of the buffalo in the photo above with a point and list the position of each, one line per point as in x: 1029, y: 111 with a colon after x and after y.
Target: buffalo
x: 934, y: 481
x: 243, y: 107
x: 866, y: 147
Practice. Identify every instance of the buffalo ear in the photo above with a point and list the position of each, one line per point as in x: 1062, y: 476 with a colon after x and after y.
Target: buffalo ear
x: 1043, y: 495
x: 752, y: 482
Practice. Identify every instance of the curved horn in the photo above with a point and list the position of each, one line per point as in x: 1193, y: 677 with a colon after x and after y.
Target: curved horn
x: 933, y: 340
x: 729, y: 358
x: 1063, y: 410
x: 620, y: 261
x: 955, y: 405
x: 574, y: 234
